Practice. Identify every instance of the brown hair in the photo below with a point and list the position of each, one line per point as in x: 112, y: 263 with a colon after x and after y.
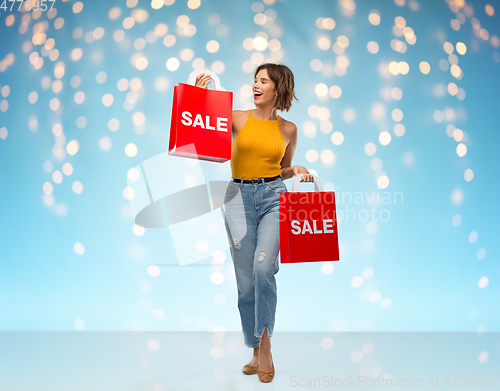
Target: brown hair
x: 282, y: 77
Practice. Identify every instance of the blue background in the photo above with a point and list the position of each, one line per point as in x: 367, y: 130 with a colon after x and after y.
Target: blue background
x: 423, y: 263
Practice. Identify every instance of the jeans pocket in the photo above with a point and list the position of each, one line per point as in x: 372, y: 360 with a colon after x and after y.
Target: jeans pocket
x: 232, y: 189
x: 276, y: 186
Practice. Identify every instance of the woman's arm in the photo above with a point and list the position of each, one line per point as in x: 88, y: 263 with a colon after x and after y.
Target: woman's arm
x: 287, y: 170
x: 202, y: 81
x: 239, y: 118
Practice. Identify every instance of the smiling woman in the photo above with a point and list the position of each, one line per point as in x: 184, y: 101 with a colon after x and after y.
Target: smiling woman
x: 273, y: 90
x: 261, y: 158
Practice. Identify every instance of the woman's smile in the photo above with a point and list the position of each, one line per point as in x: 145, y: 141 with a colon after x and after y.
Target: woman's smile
x: 257, y: 94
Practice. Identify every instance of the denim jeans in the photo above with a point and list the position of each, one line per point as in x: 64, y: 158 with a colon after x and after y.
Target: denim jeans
x: 251, y: 215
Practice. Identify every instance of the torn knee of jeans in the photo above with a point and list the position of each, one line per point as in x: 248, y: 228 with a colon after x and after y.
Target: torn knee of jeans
x: 261, y: 256
x: 237, y: 244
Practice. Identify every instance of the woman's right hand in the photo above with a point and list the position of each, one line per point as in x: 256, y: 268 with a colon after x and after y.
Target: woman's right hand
x: 202, y: 80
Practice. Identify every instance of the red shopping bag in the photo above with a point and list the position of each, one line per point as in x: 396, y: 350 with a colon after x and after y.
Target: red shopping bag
x: 308, y: 225
x: 201, y: 123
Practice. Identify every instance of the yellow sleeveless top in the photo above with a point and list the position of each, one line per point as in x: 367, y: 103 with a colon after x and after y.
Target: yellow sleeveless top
x: 257, y: 150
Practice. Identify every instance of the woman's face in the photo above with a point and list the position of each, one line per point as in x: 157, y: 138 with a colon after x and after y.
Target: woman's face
x: 264, y: 92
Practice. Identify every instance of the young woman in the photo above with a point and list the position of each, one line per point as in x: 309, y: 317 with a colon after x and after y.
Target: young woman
x: 261, y: 158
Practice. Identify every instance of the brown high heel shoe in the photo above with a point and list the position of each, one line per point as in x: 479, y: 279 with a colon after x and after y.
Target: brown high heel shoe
x: 249, y: 370
x: 266, y: 377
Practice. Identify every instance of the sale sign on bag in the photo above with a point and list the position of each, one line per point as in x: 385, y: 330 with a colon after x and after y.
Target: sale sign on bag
x: 308, y: 225
x: 201, y: 123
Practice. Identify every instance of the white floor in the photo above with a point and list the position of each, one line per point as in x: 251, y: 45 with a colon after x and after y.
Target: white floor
x: 158, y: 361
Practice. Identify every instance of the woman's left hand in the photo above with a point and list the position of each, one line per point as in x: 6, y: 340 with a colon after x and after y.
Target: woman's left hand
x: 306, y: 175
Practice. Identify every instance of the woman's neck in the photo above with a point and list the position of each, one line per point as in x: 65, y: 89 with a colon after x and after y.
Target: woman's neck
x: 266, y: 112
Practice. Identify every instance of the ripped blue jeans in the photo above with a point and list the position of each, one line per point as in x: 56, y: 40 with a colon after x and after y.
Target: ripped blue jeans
x: 251, y: 215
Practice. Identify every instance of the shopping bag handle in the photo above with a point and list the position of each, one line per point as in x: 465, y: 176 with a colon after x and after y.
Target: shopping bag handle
x: 317, y: 183
x: 213, y: 76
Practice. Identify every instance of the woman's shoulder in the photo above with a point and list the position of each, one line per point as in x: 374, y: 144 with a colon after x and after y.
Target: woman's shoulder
x: 239, y: 119
x: 240, y: 113
x: 287, y: 125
